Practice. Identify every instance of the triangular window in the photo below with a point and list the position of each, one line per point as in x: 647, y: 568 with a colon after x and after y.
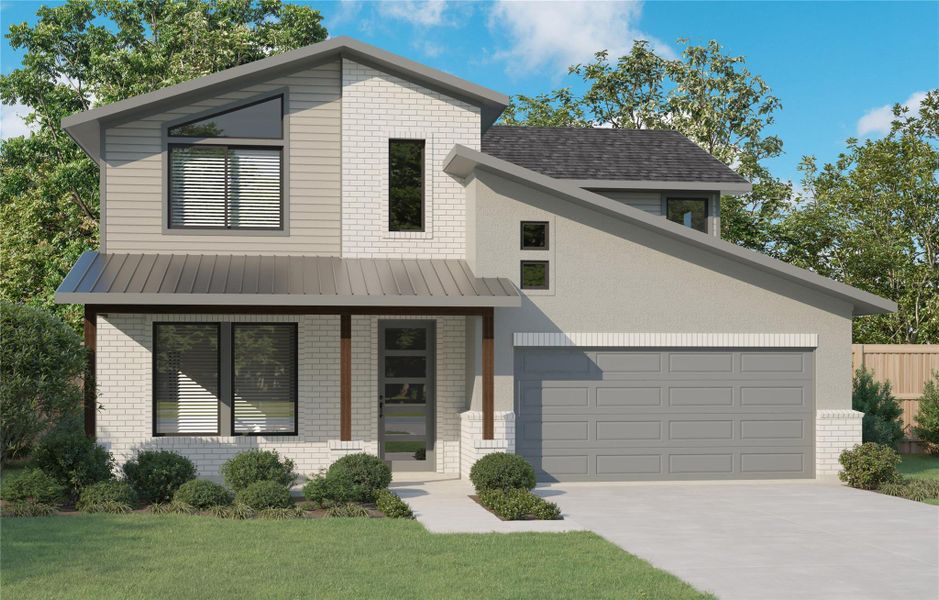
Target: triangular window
x: 259, y: 120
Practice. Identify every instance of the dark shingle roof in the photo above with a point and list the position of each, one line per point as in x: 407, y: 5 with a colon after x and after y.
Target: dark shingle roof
x: 612, y: 154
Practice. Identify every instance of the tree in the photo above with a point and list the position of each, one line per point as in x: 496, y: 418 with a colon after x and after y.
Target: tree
x: 92, y: 52
x: 927, y: 419
x: 882, y: 412
x: 707, y: 95
x: 871, y: 219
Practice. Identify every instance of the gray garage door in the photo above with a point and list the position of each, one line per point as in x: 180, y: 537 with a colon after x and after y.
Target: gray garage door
x: 585, y: 414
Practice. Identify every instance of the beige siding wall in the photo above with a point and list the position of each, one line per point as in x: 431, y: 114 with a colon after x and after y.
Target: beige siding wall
x: 610, y: 276
x: 651, y: 202
x: 135, y: 177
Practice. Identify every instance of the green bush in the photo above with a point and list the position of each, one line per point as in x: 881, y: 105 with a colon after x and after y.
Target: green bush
x: 502, y: 471
x: 392, y: 506
x: 366, y: 473
x: 927, y: 420
x: 41, y: 366
x: 280, y: 514
x: 517, y: 504
x: 348, y: 510
x: 912, y: 489
x: 882, y: 422
x: 328, y: 489
x: 106, y: 496
x: 869, y: 466
x: 236, y: 511
x: 157, y: 474
x: 171, y: 508
x: 203, y: 494
x: 28, y: 509
x: 264, y: 494
x: 252, y: 466
x: 73, y: 459
x: 33, y: 485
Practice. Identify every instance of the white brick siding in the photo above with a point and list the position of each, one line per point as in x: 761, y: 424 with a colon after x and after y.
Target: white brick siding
x: 835, y: 431
x: 376, y: 107
x: 125, y: 421
x: 475, y: 447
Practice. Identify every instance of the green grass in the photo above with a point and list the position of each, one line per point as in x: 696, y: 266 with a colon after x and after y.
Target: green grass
x: 137, y: 556
x: 920, y: 466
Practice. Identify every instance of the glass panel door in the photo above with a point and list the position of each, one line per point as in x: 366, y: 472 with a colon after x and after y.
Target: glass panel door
x: 406, y: 394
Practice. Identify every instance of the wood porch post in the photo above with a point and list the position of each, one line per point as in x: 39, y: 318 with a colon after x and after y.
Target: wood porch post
x: 345, y: 376
x: 488, y: 375
x: 88, y: 385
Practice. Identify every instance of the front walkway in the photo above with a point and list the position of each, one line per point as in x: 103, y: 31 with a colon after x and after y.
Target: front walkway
x: 442, y: 504
x: 768, y: 540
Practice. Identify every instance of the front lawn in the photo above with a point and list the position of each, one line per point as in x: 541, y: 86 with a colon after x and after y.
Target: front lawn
x: 921, y: 466
x: 173, y: 556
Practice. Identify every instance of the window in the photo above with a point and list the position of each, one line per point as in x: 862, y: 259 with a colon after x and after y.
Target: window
x: 264, y: 376
x: 244, y: 371
x: 225, y: 187
x: 690, y: 212
x: 534, y: 275
x: 185, y: 378
x: 260, y: 120
x: 534, y: 235
x: 406, y: 185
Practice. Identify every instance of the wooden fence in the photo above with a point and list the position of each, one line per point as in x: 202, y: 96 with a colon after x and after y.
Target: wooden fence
x: 907, y: 367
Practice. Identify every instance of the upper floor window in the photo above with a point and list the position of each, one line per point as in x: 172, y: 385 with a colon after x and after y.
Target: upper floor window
x: 406, y: 185
x: 214, y: 184
x: 534, y: 235
x: 690, y: 212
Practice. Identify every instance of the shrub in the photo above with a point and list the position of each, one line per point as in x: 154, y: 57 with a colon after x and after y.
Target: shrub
x: 346, y: 511
x: 41, y: 364
x: 917, y: 490
x: 174, y: 507
x: 107, y: 496
x: 502, y: 471
x: 202, y: 494
x: 519, y: 503
x: 882, y: 413
x: 157, y: 474
x: 326, y: 490
x: 73, y: 459
x: 252, y: 466
x: 927, y: 420
x: 33, y: 485
x: 28, y: 509
x: 264, y: 494
x: 392, y: 506
x: 364, y: 473
x: 280, y: 514
x: 869, y: 466
x: 236, y: 511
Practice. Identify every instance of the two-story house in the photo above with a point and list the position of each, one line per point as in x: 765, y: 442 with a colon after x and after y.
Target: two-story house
x: 336, y: 250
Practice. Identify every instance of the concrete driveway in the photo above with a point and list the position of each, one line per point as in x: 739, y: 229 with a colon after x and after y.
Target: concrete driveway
x: 767, y: 540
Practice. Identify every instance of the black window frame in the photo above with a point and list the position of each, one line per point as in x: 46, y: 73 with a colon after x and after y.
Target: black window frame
x: 547, y: 235
x: 547, y: 275
x: 227, y: 111
x: 228, y: 147
x: 296, y: 379
x: 423, y: 161
x: 153, y: 379
x: 707, y: 209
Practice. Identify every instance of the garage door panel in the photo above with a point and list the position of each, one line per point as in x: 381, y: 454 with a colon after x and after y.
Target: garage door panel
x: 754, y: 421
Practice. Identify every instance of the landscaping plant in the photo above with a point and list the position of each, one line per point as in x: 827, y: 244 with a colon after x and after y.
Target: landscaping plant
x: 73, y: 459
x: 869, y: 466
x: 157, y: 474
x: 264, y: 494
x: 502, y: 471
x: 392, y: 506
x: 252, y: 466
x: 882, y: 413
x: 927, y: 420
x: 517, y: 504
x: 348, y: 510
x: 367, y: 472
x: 107, y: 496
x: 203, y: 494
x: 35, y: 486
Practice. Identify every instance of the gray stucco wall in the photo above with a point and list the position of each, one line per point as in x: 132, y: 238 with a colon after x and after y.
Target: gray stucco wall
x: 611, y: 276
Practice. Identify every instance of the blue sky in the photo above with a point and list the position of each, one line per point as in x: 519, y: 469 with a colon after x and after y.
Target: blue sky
x: 834, y: 65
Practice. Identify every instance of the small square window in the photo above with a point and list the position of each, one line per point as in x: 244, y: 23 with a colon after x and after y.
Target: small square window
x: 690, y: 212
x: 534, y: 275
x: 534, y: 235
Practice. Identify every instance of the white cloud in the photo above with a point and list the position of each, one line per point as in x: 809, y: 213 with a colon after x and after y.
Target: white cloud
x: 423, y: 14
x: 348, y: 12
x: 559, y: 34
x: 12, y: 121
x: 878, y: 120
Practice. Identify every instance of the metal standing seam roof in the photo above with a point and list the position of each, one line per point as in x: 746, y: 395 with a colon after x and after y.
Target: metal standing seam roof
x: 200, y: 279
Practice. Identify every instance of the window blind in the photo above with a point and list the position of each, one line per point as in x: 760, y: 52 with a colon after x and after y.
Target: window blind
x: 186, y: 378
x: 264, y: 377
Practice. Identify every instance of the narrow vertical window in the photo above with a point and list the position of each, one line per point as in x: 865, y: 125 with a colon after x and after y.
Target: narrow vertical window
x: 406, y: 185
x: 264, y: 378
x: 186, y: 378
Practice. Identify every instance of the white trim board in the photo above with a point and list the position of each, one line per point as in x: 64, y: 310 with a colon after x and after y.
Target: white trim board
x: 666, y: 340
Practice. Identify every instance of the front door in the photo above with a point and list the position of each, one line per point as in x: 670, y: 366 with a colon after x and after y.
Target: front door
x: 406, y: 394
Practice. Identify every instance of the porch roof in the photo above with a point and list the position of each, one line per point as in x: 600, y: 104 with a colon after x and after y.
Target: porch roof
x: 208, y: 279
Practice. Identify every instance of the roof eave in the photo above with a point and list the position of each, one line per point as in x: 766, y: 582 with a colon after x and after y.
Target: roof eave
x: 722, y: 187
x: 296, y: 300
x: 462, y: 161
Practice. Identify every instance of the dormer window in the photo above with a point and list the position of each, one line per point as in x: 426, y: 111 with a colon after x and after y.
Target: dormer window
x: 217, y: 184
x: 690, y: 212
